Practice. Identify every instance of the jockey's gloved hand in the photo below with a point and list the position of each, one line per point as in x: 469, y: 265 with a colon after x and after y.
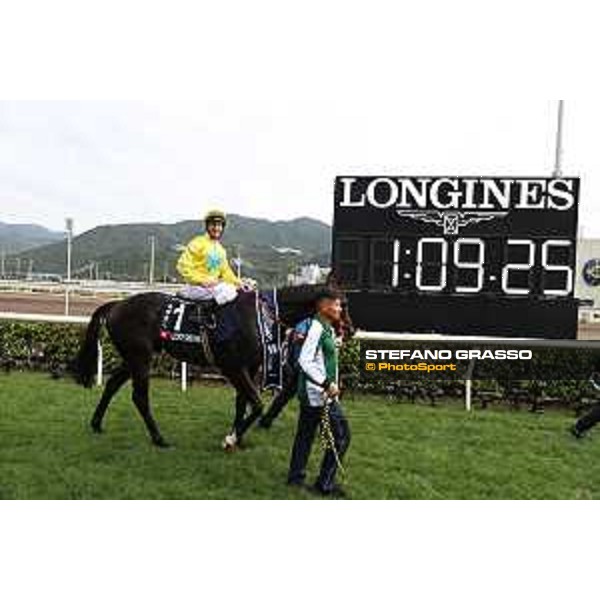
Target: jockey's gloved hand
x: 249, y: 284
x: 332, y: 391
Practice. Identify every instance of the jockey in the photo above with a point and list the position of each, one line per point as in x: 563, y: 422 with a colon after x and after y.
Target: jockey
x: 204, y: 266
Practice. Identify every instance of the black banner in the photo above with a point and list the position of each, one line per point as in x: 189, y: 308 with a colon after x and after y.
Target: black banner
x: 463, y: 256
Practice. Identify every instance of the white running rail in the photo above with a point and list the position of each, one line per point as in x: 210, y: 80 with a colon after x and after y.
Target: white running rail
x: 32, y: 318
x: 362, y: 335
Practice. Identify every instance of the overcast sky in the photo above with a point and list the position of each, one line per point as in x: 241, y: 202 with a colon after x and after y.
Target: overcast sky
x: 116, y: 162
x: 263, y: 104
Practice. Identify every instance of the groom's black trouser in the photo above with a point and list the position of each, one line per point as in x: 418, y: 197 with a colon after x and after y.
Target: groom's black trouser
x: 589, y: 420
x: 309, y: 420
x: 290, y: 387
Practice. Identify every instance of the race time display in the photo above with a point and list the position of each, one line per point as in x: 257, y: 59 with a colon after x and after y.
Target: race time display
x: 459, y: 256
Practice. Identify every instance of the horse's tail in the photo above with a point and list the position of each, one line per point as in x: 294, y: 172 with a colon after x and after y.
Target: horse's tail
x: 87, y: 358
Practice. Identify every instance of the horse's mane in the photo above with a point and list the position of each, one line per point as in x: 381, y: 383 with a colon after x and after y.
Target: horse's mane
x: 298, y: 302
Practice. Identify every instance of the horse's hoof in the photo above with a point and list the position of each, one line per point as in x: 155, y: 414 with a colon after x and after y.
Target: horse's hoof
x: 161, y: 444
x: 230, y: 443
x: 97, y: 429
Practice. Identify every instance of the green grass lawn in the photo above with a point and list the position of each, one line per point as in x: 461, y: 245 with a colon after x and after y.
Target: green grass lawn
x: 398, y: 450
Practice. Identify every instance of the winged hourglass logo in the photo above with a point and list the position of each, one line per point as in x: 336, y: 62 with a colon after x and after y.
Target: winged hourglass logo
x: 451, y: 222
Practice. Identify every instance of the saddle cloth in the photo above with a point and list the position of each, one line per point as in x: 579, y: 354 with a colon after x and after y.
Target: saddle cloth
x: 190, y: 330
x: 186, y: 329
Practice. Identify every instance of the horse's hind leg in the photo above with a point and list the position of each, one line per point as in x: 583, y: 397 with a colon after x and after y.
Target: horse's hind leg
x: 114, y: 383
x: 140, y: 397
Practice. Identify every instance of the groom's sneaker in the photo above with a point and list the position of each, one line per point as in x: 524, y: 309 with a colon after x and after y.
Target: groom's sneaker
x: 296, y: 485
x: 336, y: 491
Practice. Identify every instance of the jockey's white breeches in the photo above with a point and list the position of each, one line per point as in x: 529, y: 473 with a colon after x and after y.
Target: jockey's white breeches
x: 222, y: 293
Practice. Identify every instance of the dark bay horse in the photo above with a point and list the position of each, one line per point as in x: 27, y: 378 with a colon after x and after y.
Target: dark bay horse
x: 133, y: 326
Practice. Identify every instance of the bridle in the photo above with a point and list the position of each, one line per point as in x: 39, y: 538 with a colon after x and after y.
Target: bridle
x: 342, y: 329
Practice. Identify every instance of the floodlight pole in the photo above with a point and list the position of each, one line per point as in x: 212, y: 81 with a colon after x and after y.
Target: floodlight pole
x: 152, y: 259
x: 69, y: 228
x: 559, y: 140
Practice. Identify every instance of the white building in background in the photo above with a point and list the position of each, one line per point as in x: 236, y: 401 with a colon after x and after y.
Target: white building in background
x: 588, y: 271
x: 308, y: 275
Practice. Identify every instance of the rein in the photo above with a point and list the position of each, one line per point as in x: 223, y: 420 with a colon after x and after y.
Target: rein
x: 328, y: 439
x: 286, y: 325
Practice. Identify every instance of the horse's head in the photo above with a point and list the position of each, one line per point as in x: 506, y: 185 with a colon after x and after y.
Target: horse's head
x: 299, y: 302
x: 344, y: 327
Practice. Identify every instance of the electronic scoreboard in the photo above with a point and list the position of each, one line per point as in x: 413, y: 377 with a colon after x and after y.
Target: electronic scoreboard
x: 459, y: 256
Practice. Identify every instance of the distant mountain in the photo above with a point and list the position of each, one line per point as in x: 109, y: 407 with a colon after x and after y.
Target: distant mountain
x: 17, y: 238
x: 123, y: 251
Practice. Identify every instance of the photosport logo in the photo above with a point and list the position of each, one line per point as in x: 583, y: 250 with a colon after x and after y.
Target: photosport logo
x: 410, y: 361
x: 407, y: 361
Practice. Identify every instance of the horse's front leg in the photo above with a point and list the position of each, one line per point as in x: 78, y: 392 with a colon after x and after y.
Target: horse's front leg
x: 231, y: 440
x: 141, y: 399
x: 254, y: 400
x: 247, y: 394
